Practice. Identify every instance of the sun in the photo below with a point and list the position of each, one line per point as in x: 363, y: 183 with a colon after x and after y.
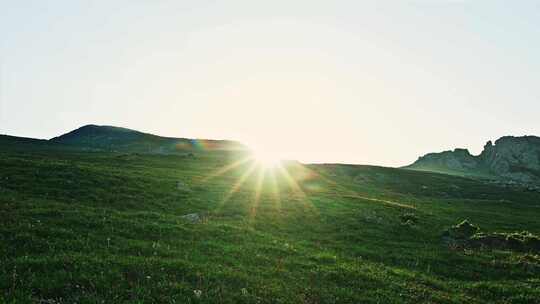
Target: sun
x: 265, y: 172
x: 266, y: 159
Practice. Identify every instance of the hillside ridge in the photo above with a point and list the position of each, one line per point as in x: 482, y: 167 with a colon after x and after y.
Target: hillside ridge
x: 92, y: 137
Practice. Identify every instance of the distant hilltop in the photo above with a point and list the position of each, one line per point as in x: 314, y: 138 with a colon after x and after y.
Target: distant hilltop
x: 511, y: 158
x: 117, y: 139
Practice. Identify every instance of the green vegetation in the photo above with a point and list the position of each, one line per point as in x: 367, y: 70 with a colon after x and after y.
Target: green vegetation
x: 104, y: 227
x: 462, y: 231
x: 522, y: 241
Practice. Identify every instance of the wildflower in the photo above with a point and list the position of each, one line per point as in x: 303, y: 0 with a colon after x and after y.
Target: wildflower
x: 197, y: 293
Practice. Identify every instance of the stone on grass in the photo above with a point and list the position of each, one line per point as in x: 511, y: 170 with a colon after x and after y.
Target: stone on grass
x: 192, y: 217
x: 180, y: 185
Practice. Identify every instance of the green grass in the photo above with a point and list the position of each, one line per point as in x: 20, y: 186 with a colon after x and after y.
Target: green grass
x: 107, y: 228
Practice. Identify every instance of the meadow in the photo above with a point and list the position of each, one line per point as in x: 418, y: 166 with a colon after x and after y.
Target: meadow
x: 106, y: 227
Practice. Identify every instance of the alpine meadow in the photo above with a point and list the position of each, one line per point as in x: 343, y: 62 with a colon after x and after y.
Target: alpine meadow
x: 295, y: 151
x: 217, y: 226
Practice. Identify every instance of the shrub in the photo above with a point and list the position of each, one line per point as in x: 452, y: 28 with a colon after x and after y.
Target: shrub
x: 408, y: 218
x: 463, y: 230
x: 532, y: 242
x: 513, y: 241
x: 519, y: 241
x: 494, y: 240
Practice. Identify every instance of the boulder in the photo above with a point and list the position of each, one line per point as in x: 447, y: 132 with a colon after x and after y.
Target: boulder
x: 192, y: 217
x: 180, y: 185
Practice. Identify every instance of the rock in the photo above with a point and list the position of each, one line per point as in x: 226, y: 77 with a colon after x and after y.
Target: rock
x: 192, y: 217
x: 182, y: 186
x: 512, y: 158
x: 489, y: 240
x: 458, y: 160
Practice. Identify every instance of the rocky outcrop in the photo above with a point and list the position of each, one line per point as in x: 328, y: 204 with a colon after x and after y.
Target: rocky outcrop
x: 516, y: 158
x: 510, y: 158
x: 457, y: 160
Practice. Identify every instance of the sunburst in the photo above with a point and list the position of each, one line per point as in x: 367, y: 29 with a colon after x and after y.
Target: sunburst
x: 263, y: 172
x: 262, y: 169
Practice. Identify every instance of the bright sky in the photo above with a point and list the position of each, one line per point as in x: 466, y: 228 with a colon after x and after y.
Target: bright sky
x: 373, y: 82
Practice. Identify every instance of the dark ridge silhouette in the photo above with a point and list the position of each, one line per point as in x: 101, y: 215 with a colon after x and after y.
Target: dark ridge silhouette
x: 110, y: 138
x: 117, y: 139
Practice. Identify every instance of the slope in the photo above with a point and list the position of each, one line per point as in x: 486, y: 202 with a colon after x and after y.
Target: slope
x: 92, y: 227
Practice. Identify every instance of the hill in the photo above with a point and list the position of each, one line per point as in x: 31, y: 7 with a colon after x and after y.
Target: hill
x: 83, y: 226
x: 510, y: 158
x: 109, y: 138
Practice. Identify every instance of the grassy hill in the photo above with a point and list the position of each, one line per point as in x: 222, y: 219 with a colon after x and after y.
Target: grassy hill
x: 109, y: 227
x: 115, y: 139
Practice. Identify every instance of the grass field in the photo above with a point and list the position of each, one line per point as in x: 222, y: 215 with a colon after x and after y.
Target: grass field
x: 89, y: 227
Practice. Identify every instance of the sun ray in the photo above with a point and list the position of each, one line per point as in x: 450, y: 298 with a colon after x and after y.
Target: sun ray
x: 227, y: 168
x: 291, y: 182
x: 296, y: 188
x: 257, y: 195
x: 237, y: 185
x: 275, y: 190
x: 322, y: 177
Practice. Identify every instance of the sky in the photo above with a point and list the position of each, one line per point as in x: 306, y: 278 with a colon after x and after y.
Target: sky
x: 368, y: 82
